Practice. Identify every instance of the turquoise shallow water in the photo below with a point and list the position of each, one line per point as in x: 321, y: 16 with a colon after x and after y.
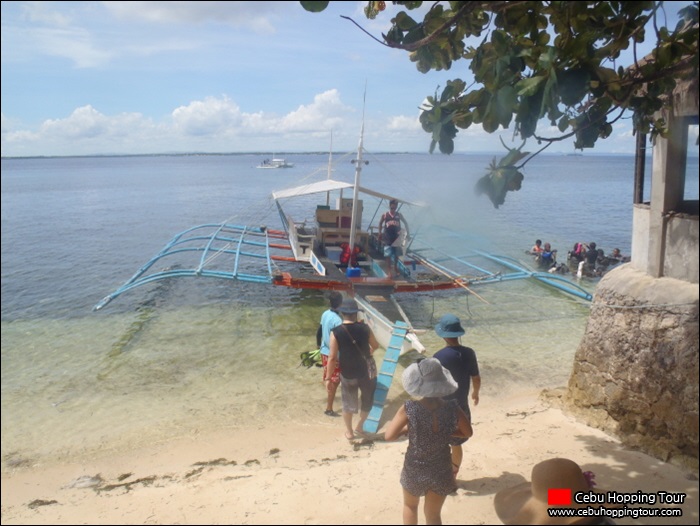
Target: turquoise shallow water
x: 185, y: 357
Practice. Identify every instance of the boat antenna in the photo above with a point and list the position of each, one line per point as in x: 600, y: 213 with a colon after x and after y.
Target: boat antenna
x: 358, y: 171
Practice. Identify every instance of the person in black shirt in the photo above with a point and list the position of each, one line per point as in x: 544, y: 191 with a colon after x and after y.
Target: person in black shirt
x: 462, y: 363
x: 352, y: 343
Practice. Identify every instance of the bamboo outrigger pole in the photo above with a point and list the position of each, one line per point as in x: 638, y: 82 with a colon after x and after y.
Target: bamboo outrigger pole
x: 440, y: 271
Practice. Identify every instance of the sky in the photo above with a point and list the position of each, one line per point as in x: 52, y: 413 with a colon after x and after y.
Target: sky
x: 103, y: 78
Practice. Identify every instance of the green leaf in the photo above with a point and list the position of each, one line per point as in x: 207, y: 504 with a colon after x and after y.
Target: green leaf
x: 513, y: 156
x: 404, y: 22
x: 500, y: 42
x: 505, y: 105
x: 563, y: 123
x: 490, y: 123
x: 314, y: 6
x: 528, y: 87
x: 447, y: 145
x: 463, y: 119
x: 573, y: 85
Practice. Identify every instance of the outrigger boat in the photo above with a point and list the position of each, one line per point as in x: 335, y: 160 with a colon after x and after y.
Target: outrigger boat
x: 308, y: 256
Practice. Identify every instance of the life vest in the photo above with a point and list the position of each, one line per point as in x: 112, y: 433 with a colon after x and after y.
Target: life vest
x: 348, y: 256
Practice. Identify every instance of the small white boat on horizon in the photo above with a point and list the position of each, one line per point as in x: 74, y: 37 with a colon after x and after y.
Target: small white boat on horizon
x: 275, y: 163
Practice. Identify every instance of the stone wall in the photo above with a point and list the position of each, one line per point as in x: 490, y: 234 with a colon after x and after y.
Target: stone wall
x: 635, y: 373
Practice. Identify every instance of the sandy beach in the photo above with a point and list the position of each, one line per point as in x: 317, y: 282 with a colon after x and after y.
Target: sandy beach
x: 312, y: 475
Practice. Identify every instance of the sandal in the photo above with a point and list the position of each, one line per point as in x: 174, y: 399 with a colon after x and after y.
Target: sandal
x: 349, y: 438
x: 330, y: 412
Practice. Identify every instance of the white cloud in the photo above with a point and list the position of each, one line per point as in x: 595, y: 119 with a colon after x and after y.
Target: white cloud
x: 403, y: 123
x: 73, y: 44
x: 44, y: 13
x: 51, y: 35
x: 249, y: 15
x: 212, y: 116
x: 219, y: 125
x: 326, y: 112
x: 207, y: 125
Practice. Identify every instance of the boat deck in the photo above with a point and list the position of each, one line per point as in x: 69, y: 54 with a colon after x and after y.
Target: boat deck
x: 379, y: 297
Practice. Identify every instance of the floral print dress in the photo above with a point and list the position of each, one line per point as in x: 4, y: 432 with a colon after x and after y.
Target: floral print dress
x: 428, y: 462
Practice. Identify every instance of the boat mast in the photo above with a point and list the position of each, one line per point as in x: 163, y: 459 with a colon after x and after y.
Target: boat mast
x: 330, y: 169
x: 358, y: 172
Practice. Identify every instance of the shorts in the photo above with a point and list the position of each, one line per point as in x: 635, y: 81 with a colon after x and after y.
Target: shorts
x: 349, y: 388
x: 335, y: 377
x: 391, y: 251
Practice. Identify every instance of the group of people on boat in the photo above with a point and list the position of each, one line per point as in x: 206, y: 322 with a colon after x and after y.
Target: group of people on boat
x: 584, y: 259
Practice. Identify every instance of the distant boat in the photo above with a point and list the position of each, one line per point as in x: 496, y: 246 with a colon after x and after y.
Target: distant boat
x: 275, y: 163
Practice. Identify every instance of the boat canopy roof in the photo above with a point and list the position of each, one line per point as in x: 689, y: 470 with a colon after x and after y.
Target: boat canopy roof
x: 329, y: 185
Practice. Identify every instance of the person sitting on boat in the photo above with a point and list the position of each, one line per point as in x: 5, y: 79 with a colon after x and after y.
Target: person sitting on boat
x: 390, y: 233
x: 537, y: 248
x: 547, y: 258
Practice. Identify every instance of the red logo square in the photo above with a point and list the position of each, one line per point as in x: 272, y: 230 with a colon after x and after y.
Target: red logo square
x: 559, y: 496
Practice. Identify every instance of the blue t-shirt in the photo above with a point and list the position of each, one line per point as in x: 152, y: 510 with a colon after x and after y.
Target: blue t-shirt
x: 329, y: 321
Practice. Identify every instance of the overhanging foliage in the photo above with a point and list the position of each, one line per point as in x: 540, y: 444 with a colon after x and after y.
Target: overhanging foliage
x: 557, y: 61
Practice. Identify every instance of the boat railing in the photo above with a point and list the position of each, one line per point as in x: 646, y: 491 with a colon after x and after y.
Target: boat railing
x: 300, y: 239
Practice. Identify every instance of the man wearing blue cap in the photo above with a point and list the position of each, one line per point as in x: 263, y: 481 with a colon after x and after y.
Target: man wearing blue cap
x: 462, y: 364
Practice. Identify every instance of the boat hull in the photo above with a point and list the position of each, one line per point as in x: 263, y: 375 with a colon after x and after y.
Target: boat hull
x: 383, y: 327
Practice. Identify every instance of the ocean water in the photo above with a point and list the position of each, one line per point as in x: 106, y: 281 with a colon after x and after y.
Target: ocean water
x: 182, y: 357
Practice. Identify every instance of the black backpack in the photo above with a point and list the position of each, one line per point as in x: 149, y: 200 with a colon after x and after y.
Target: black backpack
x: 319, y: 336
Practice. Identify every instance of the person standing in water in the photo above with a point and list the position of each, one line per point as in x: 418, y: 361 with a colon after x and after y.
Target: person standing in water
x: 352, y: 344
x: 330, y: 319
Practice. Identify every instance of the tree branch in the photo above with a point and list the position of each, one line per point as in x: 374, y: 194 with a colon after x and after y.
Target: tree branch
x: 365, y: 31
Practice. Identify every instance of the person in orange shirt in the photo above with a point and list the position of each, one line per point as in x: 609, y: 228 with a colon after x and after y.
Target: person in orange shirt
x: 537, y: 248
